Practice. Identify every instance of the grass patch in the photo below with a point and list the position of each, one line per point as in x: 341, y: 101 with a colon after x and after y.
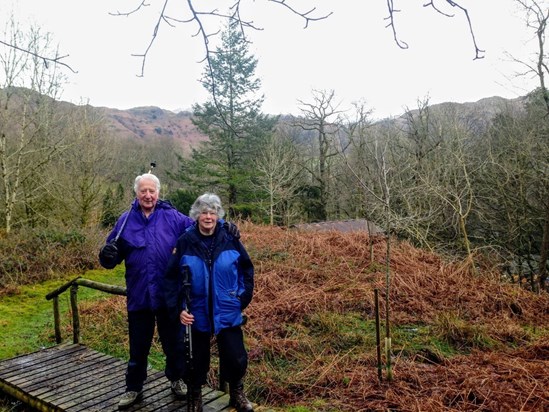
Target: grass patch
x: 341, y: 332
x: 461, y: 334
x: 26, y: 317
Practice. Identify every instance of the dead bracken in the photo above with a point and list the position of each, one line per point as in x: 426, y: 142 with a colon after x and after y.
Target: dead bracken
x: 460, y: 342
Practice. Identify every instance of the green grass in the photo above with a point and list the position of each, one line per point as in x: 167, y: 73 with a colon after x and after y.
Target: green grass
x: 26, y: 323
x: 26, y: 316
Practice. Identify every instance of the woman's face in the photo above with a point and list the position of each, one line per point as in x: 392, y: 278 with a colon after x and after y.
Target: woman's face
x: 207, y: 220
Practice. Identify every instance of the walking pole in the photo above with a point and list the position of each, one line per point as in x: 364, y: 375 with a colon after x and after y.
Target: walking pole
x: 186, y: 274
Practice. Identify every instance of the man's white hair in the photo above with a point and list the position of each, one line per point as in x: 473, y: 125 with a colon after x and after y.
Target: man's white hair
x: 148, y: 176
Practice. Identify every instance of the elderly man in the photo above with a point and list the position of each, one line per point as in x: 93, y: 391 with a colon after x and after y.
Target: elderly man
x: 144, y: 237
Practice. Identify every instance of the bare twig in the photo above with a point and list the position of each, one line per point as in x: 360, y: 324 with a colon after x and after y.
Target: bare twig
x: 155, y: 33
x: 391, y: 24
x: 46, y: 60
x: 306, y: 15
x: 127, y: 13
x: 479, y: 54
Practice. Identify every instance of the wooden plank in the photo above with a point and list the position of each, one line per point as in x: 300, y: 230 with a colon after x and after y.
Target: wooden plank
x: 107, y: 396
x: 65, y: 373
x: 56, y: 370
x: 83, y: 383
x: 73, y: 378
x: 22, y: 362
x: 87, y: 386
x: 48, y: 382
x: 88, y: 395
x: 152, y: 400
x: 39, y: 365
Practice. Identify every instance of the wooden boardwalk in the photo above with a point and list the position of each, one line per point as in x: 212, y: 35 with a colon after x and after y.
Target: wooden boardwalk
x: 72, y: 377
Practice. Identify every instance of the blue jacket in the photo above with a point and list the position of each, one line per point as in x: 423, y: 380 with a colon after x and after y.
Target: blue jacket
x: 222, y: 279
x: 146, y: 246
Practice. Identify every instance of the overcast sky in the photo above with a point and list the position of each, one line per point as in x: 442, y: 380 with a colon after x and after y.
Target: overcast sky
x: 351, y: 52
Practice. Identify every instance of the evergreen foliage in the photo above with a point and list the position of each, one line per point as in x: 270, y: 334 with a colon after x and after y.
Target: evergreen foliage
x: 232, y: 120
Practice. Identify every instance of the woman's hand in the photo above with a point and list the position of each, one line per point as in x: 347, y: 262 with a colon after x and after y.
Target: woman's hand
x: 186, y: 318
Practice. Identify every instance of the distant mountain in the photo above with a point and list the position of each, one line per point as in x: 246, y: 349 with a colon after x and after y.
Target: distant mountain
x: 478, y: 116
x: 152, y: 122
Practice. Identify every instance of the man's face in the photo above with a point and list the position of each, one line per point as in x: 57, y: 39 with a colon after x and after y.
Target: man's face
x: 147, y: 195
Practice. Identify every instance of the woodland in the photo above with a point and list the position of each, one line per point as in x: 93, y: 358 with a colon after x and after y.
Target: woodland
x: 460, y: 341
x: 455, y: 184
x: 463, y: 204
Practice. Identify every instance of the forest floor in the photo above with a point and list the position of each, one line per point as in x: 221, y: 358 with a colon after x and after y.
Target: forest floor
x: 458, y: 341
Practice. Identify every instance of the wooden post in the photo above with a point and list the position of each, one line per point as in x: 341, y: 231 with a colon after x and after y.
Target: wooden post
x: 56, y: 321
x: 378, y: 337
x: 75, y: 317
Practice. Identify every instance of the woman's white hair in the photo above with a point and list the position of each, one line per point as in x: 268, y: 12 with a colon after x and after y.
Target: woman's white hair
x: 148, y: 176
x: 205, y: 202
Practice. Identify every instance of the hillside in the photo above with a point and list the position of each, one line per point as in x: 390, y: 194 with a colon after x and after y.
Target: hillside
x: 476, y: 116
x: 459, y: 342
x: 153, y: 122
x: 147, y: 123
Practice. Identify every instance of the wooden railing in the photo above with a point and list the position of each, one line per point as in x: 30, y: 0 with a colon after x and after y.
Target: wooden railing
x: 73, y: 285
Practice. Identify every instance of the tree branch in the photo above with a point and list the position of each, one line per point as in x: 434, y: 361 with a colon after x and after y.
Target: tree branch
x: 46, y: 60
x: 479, y: 54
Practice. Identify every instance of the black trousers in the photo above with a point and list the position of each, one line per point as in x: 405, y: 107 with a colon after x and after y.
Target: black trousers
x: 233, y: 357
x: 141, y: 326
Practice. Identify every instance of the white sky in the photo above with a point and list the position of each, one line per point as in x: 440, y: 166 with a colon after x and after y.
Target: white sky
x: 351, y: 52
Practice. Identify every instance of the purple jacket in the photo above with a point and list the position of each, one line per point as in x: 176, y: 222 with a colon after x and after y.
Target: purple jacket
x: 146, y: 246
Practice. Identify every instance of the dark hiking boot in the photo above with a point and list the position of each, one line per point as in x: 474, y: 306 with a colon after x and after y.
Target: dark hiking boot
x: 194, y: 399
x: 238, y: 398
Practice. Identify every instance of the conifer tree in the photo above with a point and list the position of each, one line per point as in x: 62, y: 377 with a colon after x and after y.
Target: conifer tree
x: 232, y: 120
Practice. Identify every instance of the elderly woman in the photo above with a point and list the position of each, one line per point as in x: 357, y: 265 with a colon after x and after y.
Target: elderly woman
x: 221, y: 286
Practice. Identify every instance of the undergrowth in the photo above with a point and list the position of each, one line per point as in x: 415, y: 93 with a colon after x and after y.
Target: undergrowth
x: 36, y: 255
x: 459, y: 342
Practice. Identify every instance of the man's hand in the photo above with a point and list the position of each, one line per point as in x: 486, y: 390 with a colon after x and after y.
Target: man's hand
x: 108, y: 255
x: 232, y: 229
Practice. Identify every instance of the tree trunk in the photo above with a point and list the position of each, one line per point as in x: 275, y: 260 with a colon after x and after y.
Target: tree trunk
x: 543, y: 285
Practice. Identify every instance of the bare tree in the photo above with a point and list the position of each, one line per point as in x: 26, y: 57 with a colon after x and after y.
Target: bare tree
x: 278, y: 175
x: 537, y: 17
x: 512, y: 203
x: 28, y: 137
x: 320, y: 118
x: 371, y: 170
x: 80, y: 174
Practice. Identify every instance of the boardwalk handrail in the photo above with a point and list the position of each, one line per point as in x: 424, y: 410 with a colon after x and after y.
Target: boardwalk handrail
x: 73, y: 285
